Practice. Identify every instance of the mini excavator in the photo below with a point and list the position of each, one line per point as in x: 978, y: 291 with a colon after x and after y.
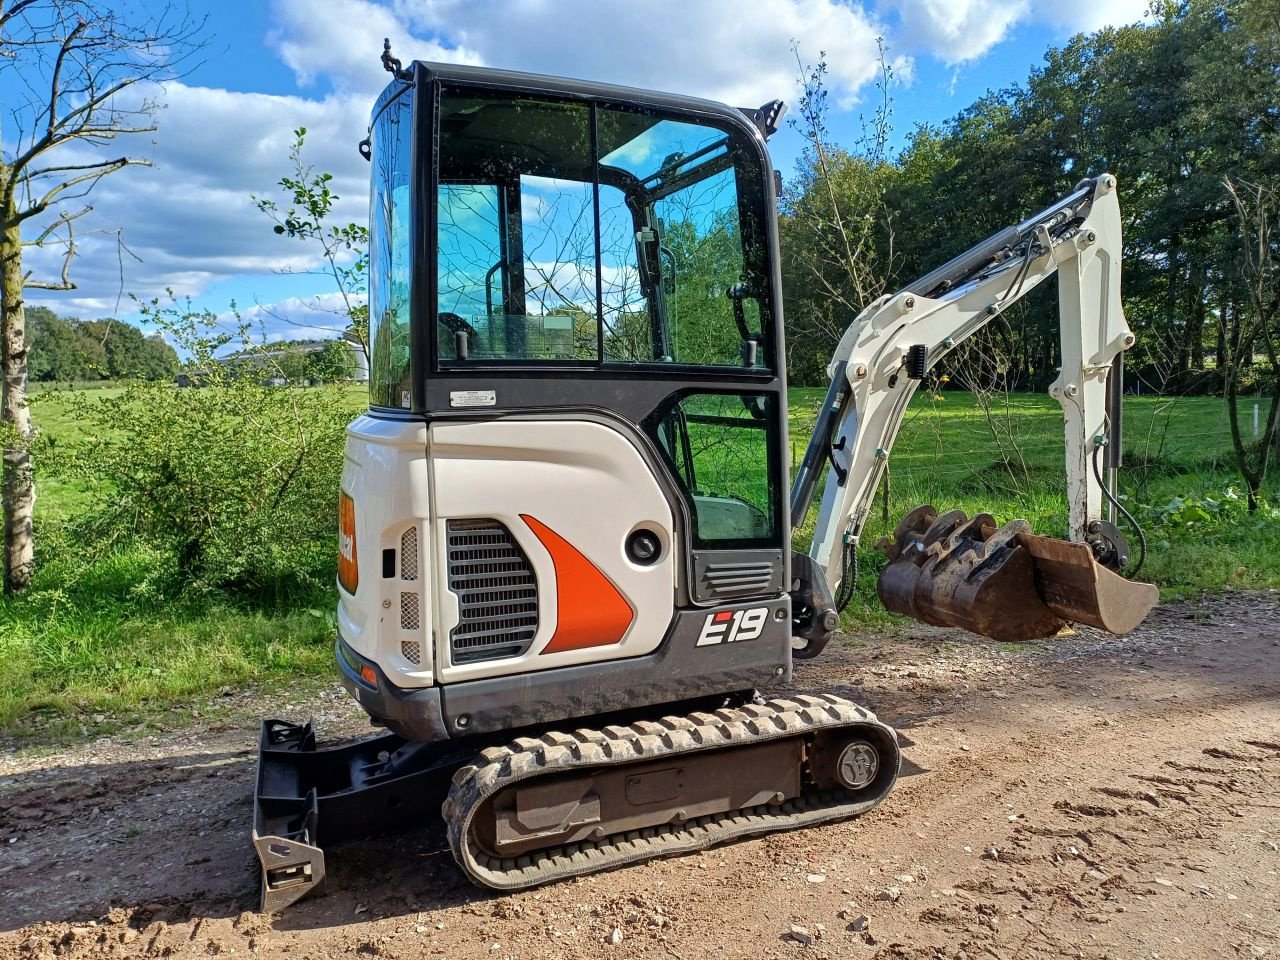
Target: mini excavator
x: 565, y: 547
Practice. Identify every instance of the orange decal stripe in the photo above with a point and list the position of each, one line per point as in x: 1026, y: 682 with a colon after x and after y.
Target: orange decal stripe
x: 590, y: 610
x: 348, y: 568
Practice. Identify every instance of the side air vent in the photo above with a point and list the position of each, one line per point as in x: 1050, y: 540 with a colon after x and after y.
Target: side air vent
x: 496, y: 589
x: 738, y: 579
x: 410, y: 619
x: 409, y: 554
x: 411, y: 650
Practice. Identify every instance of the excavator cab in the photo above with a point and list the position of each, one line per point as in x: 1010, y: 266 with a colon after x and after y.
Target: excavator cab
x: 575, y: 338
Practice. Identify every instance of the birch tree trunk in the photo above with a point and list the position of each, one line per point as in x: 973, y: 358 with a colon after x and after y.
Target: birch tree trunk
x: 19, y: 492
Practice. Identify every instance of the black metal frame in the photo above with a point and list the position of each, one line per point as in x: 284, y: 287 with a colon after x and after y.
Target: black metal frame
x: 428, y: 78
x: 634, y: 392
x: 635, y: 191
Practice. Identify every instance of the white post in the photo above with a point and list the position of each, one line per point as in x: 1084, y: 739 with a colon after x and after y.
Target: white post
x: 1255, y: 421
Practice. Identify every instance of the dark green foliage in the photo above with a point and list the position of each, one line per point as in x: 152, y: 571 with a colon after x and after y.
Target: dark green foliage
x: 1171, y: 107
x: 332, y: 363
x: 66, y: 350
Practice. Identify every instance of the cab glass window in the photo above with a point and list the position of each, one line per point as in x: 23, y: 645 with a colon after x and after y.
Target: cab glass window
x: 389, y: 254
x: 721, y: 448
x: 687, y: 272
x: 516, y: 239
x: 570, y: 231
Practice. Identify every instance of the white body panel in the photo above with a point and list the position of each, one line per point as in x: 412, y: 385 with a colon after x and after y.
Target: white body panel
x: 582, y: 479
x: 385, y: 473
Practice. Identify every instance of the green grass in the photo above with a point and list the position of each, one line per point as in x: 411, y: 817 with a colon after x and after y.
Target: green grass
x: 105, y: 641
x: 106, y: 644
x: 1174, y: 448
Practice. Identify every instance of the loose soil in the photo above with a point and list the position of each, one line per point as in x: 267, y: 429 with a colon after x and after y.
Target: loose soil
x: 1088, y: 797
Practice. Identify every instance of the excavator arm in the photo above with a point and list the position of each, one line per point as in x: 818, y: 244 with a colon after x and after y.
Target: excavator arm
x: 1002, y: 581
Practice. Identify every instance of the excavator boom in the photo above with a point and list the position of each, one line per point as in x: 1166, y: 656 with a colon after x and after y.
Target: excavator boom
x: 1001, y: 581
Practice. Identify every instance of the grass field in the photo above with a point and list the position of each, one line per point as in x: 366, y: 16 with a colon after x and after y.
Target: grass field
x: 1178, y: 479
x: 102, y: 645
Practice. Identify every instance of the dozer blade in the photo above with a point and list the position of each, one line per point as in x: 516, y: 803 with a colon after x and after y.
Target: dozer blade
x: 1002, y: 582
x: 306, y: 798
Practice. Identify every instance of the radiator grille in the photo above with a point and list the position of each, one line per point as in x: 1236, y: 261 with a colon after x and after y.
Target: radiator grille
x: 409, y: 554
x: 411, y: 650
x: 496, y: 589
x: 409, y: 617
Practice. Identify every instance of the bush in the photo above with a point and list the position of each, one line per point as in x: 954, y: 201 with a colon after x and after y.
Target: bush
x: 234, y: 482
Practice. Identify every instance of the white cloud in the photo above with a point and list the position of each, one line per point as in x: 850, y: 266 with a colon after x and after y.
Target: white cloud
x: 341, y: 40
x: 189, y: 218
x: 716, y: 52
x: 957, y: 30
x: 960, y: 31
x: 191, y: 221
x: 296, y: 318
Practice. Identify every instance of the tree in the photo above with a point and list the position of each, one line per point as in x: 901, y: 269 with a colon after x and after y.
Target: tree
x: 293, y: 365
x: 83, y: 76
x: 344, y: 247
x: 1257, y: 326
x: 159, y: 361
x: 837, y: 231
x: 55, y: 351
x: 63, y: 349
x: 128, y: 354
x: 331, y: 363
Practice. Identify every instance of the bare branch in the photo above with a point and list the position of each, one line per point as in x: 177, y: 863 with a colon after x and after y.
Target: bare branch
x: 54, y: 92
x: 46, y: 171
x: 62, y: 133
x: 17, y: 8
x: 53, y: 227
x: 92, y: 177
x: 65, y: 283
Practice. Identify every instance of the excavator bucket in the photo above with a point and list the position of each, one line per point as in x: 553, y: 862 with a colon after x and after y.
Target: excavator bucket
x: 1003, y: 582
x: 1076, y: 587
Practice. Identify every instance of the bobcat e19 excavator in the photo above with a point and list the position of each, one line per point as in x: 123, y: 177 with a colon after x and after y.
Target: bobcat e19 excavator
x: 566, y: 556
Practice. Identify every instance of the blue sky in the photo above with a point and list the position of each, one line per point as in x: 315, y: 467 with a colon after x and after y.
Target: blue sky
x: 273, y: 65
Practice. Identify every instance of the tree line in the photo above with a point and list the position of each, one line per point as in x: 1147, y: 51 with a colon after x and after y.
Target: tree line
x: 67, y: 349
x: 1181, y: 109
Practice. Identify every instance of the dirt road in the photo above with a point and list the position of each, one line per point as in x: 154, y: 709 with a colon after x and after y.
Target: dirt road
x: 1092, y: 797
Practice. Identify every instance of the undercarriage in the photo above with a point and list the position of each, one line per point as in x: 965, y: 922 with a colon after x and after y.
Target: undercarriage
x: 567, y: 803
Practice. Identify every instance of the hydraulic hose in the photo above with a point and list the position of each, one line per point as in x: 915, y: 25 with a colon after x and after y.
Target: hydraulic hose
x: 1137, y: 528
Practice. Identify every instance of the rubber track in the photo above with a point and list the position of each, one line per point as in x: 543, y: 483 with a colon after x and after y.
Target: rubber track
x: 499, y: 767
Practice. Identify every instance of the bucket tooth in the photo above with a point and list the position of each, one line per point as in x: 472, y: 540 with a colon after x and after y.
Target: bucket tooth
x: 956, y: 571
x: 1003, y: 582
x: 908, y: 552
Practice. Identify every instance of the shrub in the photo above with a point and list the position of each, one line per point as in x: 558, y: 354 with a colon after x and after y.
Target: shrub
x: 233, y: 481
